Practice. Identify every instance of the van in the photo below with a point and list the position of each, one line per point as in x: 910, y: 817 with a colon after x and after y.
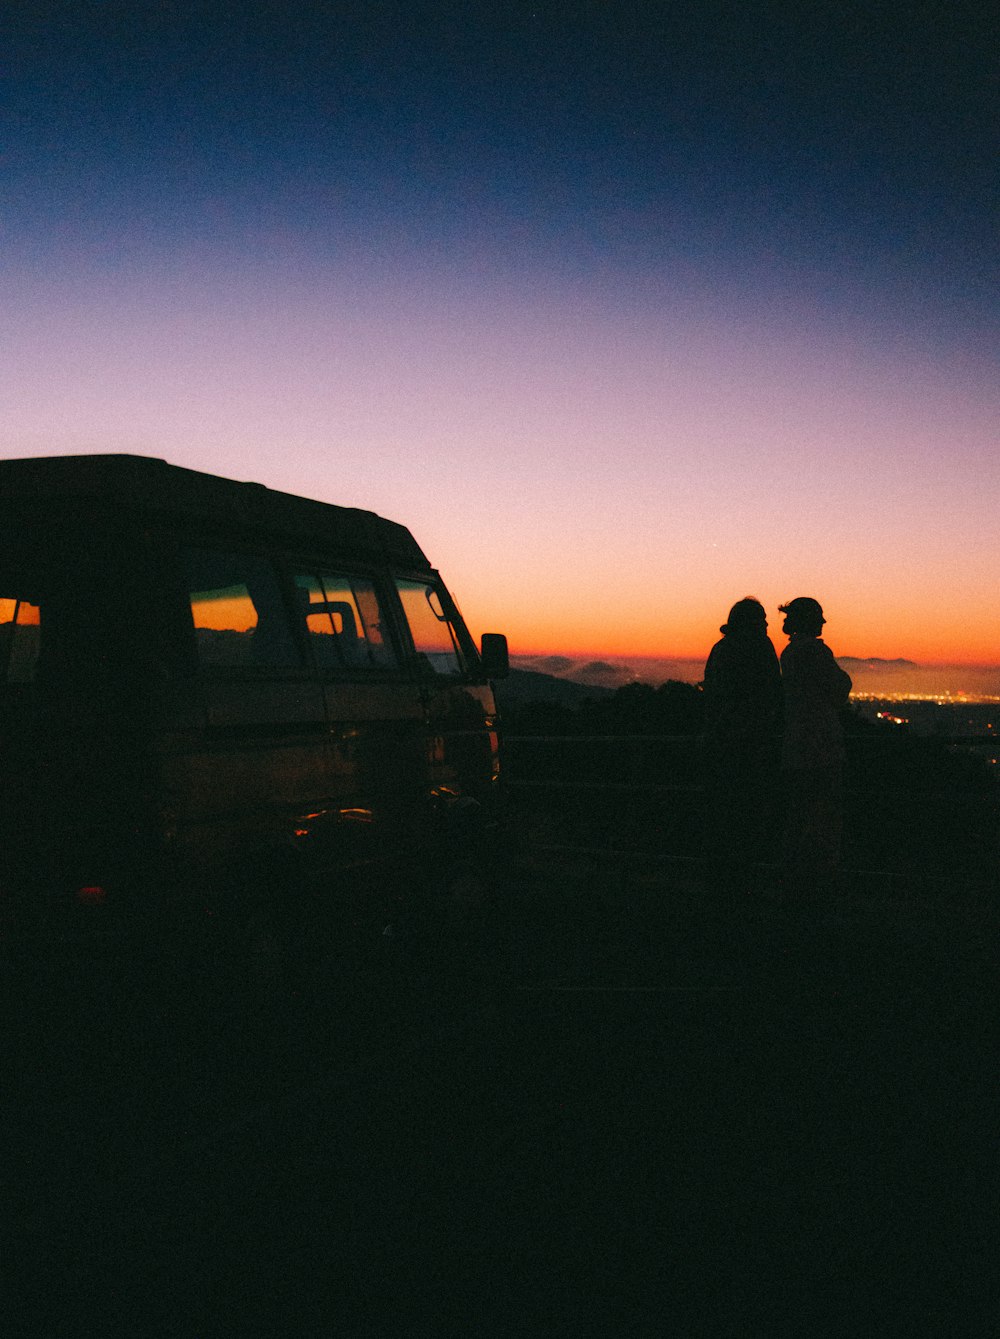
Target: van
x: 230, y: 711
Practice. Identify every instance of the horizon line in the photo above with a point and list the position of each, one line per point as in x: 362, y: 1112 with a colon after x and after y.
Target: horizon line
x: 644, y: 655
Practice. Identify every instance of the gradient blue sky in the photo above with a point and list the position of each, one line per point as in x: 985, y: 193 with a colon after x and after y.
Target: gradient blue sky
x: 627, y: 310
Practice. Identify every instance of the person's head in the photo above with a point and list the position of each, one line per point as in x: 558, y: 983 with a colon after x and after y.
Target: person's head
x: 746, y: 616
x: 803, y: 617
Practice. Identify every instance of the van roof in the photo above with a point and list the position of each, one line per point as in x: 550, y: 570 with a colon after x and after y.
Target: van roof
x: 154, y: 488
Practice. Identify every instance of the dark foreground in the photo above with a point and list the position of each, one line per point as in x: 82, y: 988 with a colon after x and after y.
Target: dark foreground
x: 665, y: 1119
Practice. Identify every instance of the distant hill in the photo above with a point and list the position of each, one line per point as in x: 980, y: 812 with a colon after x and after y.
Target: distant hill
x: 523, y: 686
x: 874, y: 661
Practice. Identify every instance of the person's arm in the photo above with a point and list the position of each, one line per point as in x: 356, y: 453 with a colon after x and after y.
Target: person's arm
x: 839, y: 682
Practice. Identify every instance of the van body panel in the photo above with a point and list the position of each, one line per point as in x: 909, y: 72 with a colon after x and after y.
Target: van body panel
x: 464, y: 741
x: 154, y: 488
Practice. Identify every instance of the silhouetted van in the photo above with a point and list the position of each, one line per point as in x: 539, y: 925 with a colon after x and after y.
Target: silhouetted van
x: 226, y: 708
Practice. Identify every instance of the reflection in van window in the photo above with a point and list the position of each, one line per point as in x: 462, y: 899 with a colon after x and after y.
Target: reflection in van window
x: 343, y: 621
x: 20, y: 629
x: 240, y: 618
x: 433, y: 636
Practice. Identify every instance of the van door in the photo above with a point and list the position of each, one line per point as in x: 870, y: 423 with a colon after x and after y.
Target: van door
x: 376, y: 731
x: 262, y: 761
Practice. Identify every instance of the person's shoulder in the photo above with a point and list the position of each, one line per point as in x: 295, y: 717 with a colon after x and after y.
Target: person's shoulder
x: 814, y: 647
x: 825, y: 651
x: 719, y: 649
x: 715, y: 663
x: 801, y: 652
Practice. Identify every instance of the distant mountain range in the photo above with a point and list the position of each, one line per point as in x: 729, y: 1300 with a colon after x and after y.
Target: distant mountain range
x: 569, y: 682
x: 558, y: 678
x: 876, y: 662
x: 608, y: 674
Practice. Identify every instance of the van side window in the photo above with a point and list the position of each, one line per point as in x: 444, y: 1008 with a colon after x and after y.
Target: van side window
x: 20, y: 630
x: 240, y: 618
x: 434, y: 638
x: 343, y: 621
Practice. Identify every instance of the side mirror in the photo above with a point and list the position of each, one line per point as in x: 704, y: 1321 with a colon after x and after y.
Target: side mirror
x: 496, y: 662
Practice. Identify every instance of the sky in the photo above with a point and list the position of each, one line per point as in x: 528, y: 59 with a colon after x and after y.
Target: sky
x: 627, y: 310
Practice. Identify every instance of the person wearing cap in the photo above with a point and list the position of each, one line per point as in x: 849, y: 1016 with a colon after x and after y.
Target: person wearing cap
x: 815, y: 691
x: 742, y: 688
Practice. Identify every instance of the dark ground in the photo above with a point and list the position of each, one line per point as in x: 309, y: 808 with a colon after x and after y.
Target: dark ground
x: 665, y: 1119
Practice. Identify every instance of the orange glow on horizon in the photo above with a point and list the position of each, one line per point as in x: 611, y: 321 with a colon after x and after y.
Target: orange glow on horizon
x: 651, y: 650
x: 687, y: 640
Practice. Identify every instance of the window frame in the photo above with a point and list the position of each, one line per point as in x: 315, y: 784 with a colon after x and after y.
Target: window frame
x: 61, y: 552
x: 292, y: 564
x: 13, y: 646
x: 225, y: 547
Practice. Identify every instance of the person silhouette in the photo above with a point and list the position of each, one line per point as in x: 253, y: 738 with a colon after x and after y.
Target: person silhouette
x: 742, y: 688
x: 815, y: 691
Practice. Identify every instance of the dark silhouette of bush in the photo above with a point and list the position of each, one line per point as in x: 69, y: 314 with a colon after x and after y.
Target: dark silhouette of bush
x: 539, y: 718
x: 921, y: 807
x: 673, y: 708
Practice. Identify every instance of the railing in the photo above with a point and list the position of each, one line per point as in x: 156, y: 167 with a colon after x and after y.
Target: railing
x: 642, y: 797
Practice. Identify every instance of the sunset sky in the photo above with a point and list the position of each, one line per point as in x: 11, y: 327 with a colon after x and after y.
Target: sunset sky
x: 626, y: 309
